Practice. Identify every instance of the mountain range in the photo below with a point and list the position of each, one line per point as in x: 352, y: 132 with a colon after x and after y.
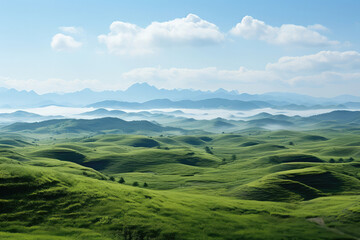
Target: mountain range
x: 142, y: 92
x: 212, y: 103
x: 107, y: 122
x: 217, y: 103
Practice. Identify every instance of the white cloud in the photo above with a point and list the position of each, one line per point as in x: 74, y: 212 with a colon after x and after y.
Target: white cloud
x: 128, y: 38
x: 321, y: 61
x: 70, y: 30
x: 318, y: 27
x: 325, y: 78
x: 62, y: 42
x: 328, y: 70
x: 286, y: 34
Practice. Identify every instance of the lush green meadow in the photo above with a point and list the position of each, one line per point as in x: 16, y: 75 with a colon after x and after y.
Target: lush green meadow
x: 255, y: 184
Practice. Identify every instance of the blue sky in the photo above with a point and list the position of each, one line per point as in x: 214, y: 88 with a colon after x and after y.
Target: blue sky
x: 309, y: 47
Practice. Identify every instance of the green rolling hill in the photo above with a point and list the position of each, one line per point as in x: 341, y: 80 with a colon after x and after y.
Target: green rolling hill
x: 100, y: 179
x: 91, y: 126
x: 181, y: 187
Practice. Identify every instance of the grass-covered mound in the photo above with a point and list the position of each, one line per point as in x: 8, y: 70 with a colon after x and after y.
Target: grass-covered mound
x: 251, y: 143
x: 138, y: 159
x: 128, y: 140
x: 314, y: 138
x: 61, y: 154
x: 192, y: 140
x: 285, y: 158
x: 298, y: 184
x: 266, y: 147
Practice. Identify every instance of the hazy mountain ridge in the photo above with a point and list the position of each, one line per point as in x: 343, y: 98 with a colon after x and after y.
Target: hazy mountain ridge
x: 213, y: 103
x: 21, y: 116
x: 142, y: 92
x: 109, y: 122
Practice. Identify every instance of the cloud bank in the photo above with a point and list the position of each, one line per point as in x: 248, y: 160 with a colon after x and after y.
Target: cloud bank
x: 128, y: 38
x: 286, y: 34
x: 323, y: 73
x: 321, y: 61
x: 304, y: 74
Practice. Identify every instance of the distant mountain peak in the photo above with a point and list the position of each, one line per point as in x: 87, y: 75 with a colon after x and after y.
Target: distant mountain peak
x: 221, y: 90
x: 86, y: 90
x: 141, y: 86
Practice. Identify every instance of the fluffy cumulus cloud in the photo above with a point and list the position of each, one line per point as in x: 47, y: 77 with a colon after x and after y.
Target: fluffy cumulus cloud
x: 286, y: 34
x: 128, y: 38
x: 62, y: 42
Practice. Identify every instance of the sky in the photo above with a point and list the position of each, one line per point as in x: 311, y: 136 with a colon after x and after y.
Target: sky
x: 308, y: 47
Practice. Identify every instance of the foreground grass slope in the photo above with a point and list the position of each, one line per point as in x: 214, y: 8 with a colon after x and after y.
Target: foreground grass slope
x: 253, y: 185
x: 43, y: 203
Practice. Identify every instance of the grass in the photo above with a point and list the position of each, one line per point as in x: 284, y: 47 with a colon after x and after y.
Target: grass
x: 77, y: 204
x: 252, y: 185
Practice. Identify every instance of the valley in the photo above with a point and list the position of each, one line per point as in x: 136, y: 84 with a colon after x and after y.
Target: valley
x: 176, y: 186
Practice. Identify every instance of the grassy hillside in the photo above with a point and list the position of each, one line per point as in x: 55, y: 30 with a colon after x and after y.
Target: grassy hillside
x: 46, y: 204
x: 84, y: 126
x: 254, y: 185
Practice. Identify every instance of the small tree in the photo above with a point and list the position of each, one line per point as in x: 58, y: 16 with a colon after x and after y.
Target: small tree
x: 121, y: 180
x: 331, y: 160
x: 350, y: 159
x: 233, y: 157
x: 112, y: 178
x: 145, y: 184
x: 135, y: 184
x: 291, y: 143
x: 341, y: 160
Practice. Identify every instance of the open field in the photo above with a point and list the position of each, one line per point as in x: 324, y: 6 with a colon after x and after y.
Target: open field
x: 251, y: 185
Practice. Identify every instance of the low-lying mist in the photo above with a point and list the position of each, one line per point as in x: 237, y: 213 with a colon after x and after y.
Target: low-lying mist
x: 198, y: 114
